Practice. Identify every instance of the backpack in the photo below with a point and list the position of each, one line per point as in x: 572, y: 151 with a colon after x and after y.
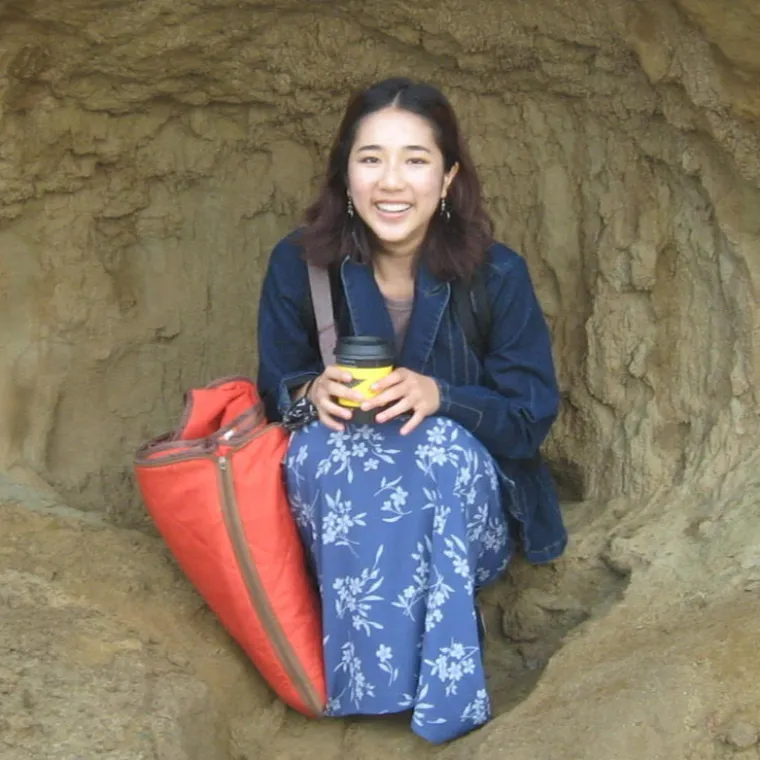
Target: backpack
x: 320, y: 314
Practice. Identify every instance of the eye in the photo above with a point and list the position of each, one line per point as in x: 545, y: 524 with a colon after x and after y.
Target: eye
x: 369, y: 160
x: 418, y: 161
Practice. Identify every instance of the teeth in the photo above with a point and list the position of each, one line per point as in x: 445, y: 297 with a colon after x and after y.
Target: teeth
x: 394, y: 207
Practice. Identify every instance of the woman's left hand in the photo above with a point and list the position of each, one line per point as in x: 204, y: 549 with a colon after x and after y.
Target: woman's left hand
x: 411, y: 392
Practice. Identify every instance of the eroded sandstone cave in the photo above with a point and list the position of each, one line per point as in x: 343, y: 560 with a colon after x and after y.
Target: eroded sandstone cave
x: 151, y: 153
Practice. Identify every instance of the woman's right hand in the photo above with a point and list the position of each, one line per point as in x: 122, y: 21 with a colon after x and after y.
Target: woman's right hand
x: 328, y: 386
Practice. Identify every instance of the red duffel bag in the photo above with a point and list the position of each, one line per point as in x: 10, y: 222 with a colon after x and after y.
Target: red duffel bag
x: 215, y: 489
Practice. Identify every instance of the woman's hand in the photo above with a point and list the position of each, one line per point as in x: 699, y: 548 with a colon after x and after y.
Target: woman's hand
x: 411, y: 392
x: 323, y: 392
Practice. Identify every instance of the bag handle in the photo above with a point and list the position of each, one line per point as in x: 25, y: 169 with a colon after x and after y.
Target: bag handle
x: 322, y: 303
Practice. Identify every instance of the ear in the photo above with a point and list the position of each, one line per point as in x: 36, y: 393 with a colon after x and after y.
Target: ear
x: 448, y: 178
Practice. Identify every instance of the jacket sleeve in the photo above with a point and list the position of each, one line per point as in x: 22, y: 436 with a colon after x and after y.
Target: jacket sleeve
x: 287, y: 356
x: 513, y: 414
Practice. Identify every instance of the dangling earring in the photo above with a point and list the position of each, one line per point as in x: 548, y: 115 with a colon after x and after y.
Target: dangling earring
x: 445, y: 213
x: 350, y: 207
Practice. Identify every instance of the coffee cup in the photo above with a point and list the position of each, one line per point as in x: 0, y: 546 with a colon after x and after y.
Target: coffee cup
x: 367, y: 359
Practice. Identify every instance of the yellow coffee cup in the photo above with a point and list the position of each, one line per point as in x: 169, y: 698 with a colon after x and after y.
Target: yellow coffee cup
x: 367, y: 359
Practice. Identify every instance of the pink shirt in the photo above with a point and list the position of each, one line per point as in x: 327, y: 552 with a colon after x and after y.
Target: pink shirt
x: 400, y: 313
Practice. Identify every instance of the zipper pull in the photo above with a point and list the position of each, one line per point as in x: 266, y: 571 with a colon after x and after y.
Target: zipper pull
x: 222, y: 462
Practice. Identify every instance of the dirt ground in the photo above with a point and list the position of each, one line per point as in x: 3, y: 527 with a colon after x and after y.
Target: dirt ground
x: 108, y: 653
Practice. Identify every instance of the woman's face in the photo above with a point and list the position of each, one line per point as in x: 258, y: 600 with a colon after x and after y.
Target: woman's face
x: 396, y: 177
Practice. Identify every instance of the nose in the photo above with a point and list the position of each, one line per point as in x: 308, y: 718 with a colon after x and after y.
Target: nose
x: 392, y: 177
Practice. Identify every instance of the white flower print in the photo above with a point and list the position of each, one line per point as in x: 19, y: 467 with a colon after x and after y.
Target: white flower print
x: 421, y: 707
x: 357, y: 594
x: 491, y: 473
x: 441, y: 512
x: 413, y: 594
x: 396, y: 499
x: 333, y: 706
x: 384, y: 655
x: 477, y: 522
x: 339, y: 520
x: 304, y: 513
x: 437, y: 434
x: 456, y: 551
x: 468, y: 483
x: 358, y: 686
x: 435, y: 594
x: 355, y: 443
x: 495, y: 538
x: 438, y: 594
x: 429, y: 456
x: 439, y: 521
x: 453, y: 663
x: 479, y: 710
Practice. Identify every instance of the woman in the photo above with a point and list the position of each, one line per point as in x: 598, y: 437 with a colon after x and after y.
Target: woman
x: 407, y: 518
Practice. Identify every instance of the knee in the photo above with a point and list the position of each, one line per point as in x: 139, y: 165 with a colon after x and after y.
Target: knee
x: 443, y: 431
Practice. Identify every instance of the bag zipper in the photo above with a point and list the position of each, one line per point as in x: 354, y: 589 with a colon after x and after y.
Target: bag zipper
x: 196, y: 449
x: 256, y: 592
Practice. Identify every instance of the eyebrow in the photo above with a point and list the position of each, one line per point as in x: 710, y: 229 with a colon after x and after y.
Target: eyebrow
x: 406, y: 147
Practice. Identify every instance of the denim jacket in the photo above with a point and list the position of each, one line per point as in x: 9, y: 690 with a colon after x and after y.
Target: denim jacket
x: 509, y: 400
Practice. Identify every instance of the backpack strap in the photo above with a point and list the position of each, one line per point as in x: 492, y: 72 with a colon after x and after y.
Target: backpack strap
x: 473, y: 310
x: 481, y: 306
x: 322, y: 308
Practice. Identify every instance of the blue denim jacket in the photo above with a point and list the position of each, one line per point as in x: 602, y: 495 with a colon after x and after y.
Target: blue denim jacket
x: 509, y: 401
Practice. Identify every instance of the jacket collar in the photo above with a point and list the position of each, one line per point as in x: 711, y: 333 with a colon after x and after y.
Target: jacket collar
x: 369, y: 315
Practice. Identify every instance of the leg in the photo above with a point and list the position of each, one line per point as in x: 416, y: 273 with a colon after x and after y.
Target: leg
x: 401, y: 530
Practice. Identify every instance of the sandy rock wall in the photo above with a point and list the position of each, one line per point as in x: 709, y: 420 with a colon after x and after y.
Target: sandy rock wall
x: 151, y: 155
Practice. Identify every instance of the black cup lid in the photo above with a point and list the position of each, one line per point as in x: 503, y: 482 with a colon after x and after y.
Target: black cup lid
x: 367, y: 347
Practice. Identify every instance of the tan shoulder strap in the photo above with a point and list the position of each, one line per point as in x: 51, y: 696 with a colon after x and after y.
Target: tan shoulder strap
x: 321, y: 299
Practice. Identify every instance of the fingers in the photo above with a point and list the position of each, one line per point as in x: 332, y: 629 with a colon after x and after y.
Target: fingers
x: 326, y: 388
x: 391, y: 379
x: 400, y: 392
x: 404, y: 405
x: 333, y: 382
x: 334, y: 372
x: 338, y: 390
x: 396, y: 385
x: 328, y: 406
x: 408, y: 392
x: 412, y: 423
x: 329, y: 422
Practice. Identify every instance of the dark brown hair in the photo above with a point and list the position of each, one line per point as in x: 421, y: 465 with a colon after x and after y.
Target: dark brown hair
x: 454, y: 247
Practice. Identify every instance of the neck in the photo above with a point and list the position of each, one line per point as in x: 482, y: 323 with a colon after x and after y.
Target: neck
x: 394, y: 274
x: 394, y: 265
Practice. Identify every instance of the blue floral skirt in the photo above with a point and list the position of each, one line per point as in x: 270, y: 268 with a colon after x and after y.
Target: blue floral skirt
x: 402, y: 531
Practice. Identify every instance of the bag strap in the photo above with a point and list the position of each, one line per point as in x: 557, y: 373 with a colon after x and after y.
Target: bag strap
x: 322, y: 305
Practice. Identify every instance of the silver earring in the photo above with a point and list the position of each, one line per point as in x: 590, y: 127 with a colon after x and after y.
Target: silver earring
x: 350, y: 207
x: 445, y: 213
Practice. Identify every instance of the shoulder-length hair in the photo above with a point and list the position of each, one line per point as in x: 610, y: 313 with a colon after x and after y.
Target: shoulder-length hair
x: 455, y: 243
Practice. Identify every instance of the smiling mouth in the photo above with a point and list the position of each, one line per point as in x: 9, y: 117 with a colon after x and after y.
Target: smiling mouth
x: 393, y: 208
